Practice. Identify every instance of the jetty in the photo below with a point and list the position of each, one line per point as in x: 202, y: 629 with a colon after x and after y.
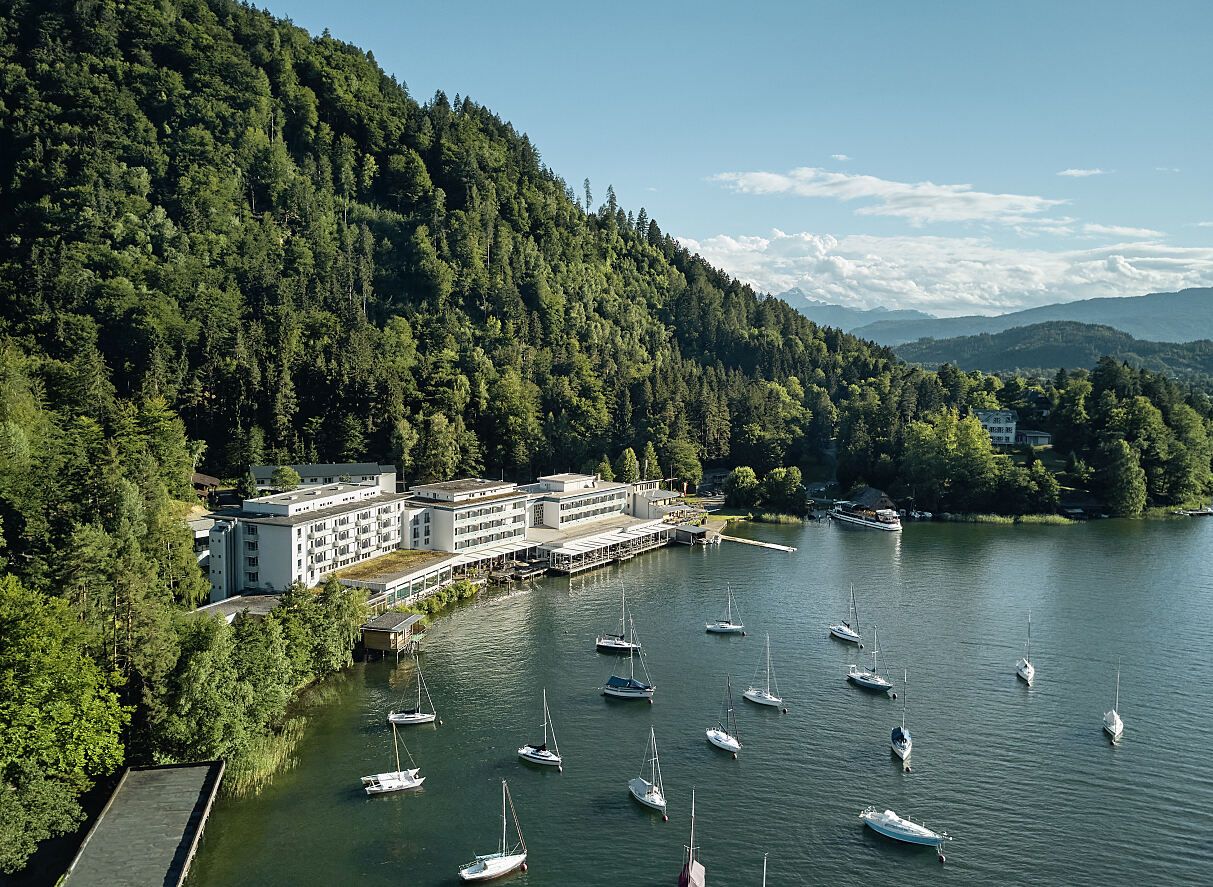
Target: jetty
x: 773, y: 545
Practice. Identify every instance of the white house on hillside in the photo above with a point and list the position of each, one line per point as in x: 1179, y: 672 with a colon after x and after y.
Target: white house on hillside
x: 559, y: 501
x: 999, y: 424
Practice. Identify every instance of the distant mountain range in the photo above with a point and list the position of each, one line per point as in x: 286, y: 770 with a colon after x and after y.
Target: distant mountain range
x: 1186, y: 316
x: 1049, y: 346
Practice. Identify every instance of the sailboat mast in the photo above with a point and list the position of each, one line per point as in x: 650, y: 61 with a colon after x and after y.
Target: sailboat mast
x: 768, y: 665
x: 1029, y: 652
x: 764, y: 870
x: 503, y: 817
x: 1116, y: 705
x: 904, y: 680
x: 396, y: 743
x: 875, y: 650
x: 691, y: 844
x: 545, y: 715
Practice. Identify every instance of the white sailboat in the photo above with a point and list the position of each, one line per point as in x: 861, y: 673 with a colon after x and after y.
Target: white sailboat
x: 724, y: 734
x: 693, y: 873
x: 1112, y: 723
x: 538, y: 752
x: 763, y: 695
x: 631, y: 687
x: 849, y: 630
x: 649, y: 792
x: 618, y: 643
x: 900, y: 742
x: 727, y: 625
x: 869, y: 680
x: 900, y: 828
x: 1023, y: 667
x: 504, y: 861
x: 396, y: 781
x: 415, y: 715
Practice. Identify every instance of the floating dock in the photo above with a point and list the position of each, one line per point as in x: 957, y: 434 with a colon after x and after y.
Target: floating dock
x: 759, y: 544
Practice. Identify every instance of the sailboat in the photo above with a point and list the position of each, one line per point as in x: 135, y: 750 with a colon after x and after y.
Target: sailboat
x: 649, y: 792
x: 727, y: 625
x: 849, y: 630
x: 1112, y: 723
x: 539, y: 753
x: 1023, y: 667
x: 724, y: 734
x: 631, y: 687
x: 901, y: 743
x: 870, y: 680
x: 693, y: 873
x: 618, y: 643
x: 494, y: 865
x: 415, y: 715
x: 763, y: 695
x: 396, y: 781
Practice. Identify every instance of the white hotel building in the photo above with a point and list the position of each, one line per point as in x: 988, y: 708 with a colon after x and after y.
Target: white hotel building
x: 274, y: 541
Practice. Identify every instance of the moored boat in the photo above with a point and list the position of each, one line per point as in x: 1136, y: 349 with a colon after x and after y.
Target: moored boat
x: 763, y: 695
x: 504, y: 861
x: 870, y: 680
x: 398, y: 780
x: 724, y: 734
x: 538, y: 752
x: 900, y: 741
x: 1024, y: 667
x: 631, y: 687
x: 618, y: 643
x: 849, y: 630
x: 415, y: 715
x: 891, y: 825
x: 726, y: 625
x: 649, y: 792
x: 1112, y: 724
x: 876, y: 519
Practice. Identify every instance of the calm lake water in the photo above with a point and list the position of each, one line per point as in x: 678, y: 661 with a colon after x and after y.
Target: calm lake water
x: 1023, y: 778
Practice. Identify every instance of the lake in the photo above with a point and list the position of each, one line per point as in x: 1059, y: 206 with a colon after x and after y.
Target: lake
x: 1023, y: 778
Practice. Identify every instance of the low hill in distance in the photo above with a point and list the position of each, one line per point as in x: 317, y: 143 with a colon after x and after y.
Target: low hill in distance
x: 1186, y: 316
x: 844, y: 318
x: 1050, y: 346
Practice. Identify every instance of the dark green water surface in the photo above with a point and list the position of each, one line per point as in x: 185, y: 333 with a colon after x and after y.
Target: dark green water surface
x: 1023, y: 778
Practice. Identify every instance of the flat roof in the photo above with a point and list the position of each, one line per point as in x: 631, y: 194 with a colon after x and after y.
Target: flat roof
x: 229, y: 608
x: 317, y: 492
x: 612, y: 536
x: 304, y: 517
x: 393, y: 622
x: 422, y: 501
x: 464, y: 485
x: 147, y: 832
x: 599, y: 487
x: 397, y: 562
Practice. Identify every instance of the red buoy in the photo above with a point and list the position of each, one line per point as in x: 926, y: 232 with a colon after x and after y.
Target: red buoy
x: 524, y: 866
x: 664, y: 818
x: 650, y: 700
x: 439, y: 723
x: 734, y: 756
x: 743, y: 634
x: 785, y: 711
x: 894, y: 695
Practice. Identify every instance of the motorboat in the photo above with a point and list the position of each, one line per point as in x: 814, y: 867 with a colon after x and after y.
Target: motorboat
x: 618, y: 643
x: 763, y: 695
x: 900, y: 741
x: 649, y: 792
x: 398, y: 780
x: 870, y: 680
x: 891, y: 825
x: 724, y: 734
x: 505, y: 860
x: 876, y: 519
x: 1112, y: 724
x: 1024, y: 667
x: 849, y: 630
x: 538, y: 752
x: 727, y: 625
x: 415, y: 715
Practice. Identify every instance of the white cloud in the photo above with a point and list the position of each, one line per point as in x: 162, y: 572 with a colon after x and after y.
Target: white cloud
x: 1167, y: 169
x: 1119, y: 231
x: 919, y: 202
x: 950, y: 275
x: 840, y: 157
x: 1082, y: 173
x: 1204, y: 224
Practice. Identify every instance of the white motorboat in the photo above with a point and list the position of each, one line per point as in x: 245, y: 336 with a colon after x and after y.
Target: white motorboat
x: 415, y: 715
x: 870, y: 680
x: 539, y: 753
x: 727, y: 625
x: 504, y: 861
x: 1112, y: 724
x: 649, y: 792
x: 849, y: 630
x: 893, y: 826
x: 763, y: 695
x: 900, y: 741
x: 1024, y: 667
x: 879, y: 519
x: 398, y: 780
x: 631, y: 687
x: 693, y: 873
x: 618, y: 643
x: 724, y: 734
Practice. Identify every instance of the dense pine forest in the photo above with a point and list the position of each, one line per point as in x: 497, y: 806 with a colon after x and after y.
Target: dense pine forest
x: 226, y: 242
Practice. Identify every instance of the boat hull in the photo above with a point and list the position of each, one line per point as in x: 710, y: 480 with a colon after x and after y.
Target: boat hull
x: 1113, y: 726
x: 724, y: 628
x: 629, y: 692
x: 844, y: 633
x: 485, y: 868
x: 868, y: 681
x: 762, y: 697
x: 384, y: 783
x: 1025, y: 671
x: 646, y: 793
x: 528, y: 753
x: 404, y: 719
x: 613, y: 645
x: 720, y: 739
x: 901, y: 749
x: 859, y: 521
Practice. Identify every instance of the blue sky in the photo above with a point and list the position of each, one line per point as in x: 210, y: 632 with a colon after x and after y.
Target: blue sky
x: 951, y: 157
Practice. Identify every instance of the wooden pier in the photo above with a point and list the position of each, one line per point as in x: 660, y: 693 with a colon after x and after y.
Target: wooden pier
x: 759, y: 544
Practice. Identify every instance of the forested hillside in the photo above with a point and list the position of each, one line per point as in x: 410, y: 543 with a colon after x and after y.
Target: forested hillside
x: 225, y: 241
x: 1050, y: 346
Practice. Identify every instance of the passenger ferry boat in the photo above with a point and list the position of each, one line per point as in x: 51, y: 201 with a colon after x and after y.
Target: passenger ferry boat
x: 878, y: 519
